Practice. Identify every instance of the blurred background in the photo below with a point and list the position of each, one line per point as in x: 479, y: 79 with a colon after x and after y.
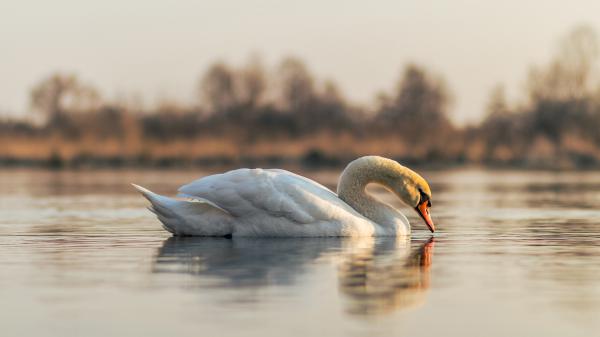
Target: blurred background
x: 160, y: 93
x: 281, y: 83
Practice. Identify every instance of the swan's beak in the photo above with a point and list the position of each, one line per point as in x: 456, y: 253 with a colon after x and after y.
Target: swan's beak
x: 423, y: 210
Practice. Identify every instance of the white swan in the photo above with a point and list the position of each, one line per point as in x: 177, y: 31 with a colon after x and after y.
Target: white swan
x: 273, y: 202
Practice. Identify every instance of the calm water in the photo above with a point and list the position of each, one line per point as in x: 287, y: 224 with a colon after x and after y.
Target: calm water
x: 517, y: 253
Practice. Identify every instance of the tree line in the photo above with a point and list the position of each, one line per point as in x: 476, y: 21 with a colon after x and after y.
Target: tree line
x: 252, y: 114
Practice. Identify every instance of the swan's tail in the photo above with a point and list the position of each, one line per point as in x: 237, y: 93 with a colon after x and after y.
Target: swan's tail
x: 188, y: 217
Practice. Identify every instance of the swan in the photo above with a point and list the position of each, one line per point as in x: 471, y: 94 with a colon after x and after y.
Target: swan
x: 278, y: 203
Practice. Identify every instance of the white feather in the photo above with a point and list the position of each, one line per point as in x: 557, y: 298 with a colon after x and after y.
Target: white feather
x: 268, y: 202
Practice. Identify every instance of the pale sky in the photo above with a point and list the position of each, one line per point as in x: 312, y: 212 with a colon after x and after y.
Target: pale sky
x: 158, y: 49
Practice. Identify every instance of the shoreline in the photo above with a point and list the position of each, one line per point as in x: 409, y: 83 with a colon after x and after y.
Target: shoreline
x: 305, y: 163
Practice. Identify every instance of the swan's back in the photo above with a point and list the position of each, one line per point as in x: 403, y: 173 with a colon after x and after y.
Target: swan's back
x: 278, y: 202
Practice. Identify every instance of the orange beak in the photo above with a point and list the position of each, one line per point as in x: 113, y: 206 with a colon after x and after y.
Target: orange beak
x: 423, y: 210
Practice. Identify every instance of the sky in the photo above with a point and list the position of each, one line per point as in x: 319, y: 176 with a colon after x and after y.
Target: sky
x: 158, y: 50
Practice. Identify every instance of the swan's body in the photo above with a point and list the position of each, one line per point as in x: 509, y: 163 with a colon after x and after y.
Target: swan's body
x: 273, y: 202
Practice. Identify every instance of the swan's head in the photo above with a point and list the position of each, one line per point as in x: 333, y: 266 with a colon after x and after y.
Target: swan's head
x: 405, y: 183
x: 413, y: 190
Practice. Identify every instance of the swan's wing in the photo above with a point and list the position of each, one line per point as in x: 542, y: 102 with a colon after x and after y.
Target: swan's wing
x: 276, y: 193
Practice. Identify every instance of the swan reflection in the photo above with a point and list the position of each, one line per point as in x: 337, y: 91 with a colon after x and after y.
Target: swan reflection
x: 242, y: 262
x: 386, y: 277
x: 375, y: 276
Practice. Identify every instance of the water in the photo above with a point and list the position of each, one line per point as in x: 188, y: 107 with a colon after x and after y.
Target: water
x: 517, y: 253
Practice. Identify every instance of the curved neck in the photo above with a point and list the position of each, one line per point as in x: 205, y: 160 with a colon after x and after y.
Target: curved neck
x: 352, y: 189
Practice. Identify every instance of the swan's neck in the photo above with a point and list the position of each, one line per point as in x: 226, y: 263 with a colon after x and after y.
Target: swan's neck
x: 352, y: 189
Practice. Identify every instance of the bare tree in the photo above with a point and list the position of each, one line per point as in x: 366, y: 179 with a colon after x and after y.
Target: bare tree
x: 61, y: 94
x: 420, y: 102
x: 570, y: 73
x: 497, y: 105
x: 217, y: 88
x: 500, y: 129
x: 334, y: 109
x: 252, y: 83
x: 578, y: 54
x: 331, y: 94
x: 297, y: 85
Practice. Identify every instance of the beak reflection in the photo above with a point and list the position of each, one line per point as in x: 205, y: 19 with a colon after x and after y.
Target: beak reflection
x: 383, y: 278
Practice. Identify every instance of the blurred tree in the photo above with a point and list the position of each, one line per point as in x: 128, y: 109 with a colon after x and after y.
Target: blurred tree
x: 332, y: 109
x: 297, y: 85
x: 497, y: 105
x: 578, y: 53
x: 331, y: 94
x: 217, y: 88
x: 569, y: 74
x: 419, y: 105
x: 252, y: 83
x: 561, y: 93
x: 61, y: 94
x: 235, y: 93
x: 500, y: 130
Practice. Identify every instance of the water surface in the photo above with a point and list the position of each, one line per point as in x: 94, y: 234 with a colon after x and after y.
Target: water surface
x: 517, y: 253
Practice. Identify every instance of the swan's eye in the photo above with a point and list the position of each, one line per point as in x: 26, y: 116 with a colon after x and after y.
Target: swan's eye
x: 424, y: 198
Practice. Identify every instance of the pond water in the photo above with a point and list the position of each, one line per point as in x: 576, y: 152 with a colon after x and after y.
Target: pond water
x: 516, y: 253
